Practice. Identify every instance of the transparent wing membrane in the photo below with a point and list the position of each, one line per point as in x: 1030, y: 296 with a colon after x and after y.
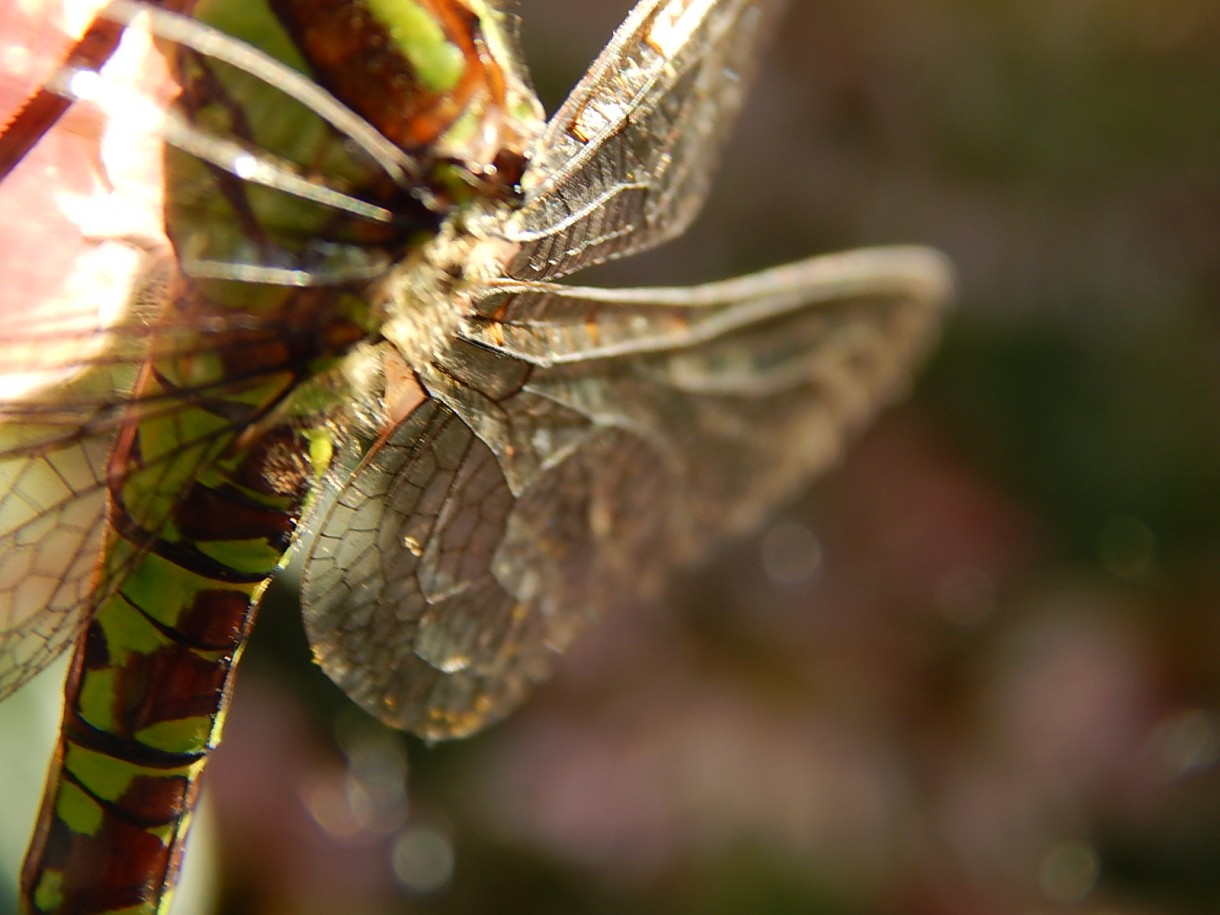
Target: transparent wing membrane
x: 592, y: 440
x: 627, y: 160
x: 540, y: 452
x: 90, y: 270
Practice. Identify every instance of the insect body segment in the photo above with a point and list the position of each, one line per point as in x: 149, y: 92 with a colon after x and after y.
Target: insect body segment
x: 212, y: 460
x: 151, y: 674
x: 341, y: 304
x: 450, y: 83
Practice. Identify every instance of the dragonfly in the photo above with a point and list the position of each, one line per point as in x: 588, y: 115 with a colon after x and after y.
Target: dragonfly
x: 284, y: 274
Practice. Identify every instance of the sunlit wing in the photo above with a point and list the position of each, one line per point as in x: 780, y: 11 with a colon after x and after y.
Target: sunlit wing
x: 577, y: 446
x: 77, y: 242
x: 88, y: 268
x: 627, y: 160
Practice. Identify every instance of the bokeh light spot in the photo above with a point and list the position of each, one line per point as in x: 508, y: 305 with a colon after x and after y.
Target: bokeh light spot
x: 1069, y: 872
x: 422, y: 858
x: 1185, y: 743
x: 790, y: 553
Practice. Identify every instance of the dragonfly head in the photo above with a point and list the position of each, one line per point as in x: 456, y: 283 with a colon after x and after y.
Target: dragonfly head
x: 441, y: 79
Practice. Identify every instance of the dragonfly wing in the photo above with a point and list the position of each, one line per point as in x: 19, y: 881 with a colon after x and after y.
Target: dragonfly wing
x: 49, y: 541
x: 576, y: 446
x: 436, y: 596
x: 627, y: 160
x: 88, y: 267
x: 380, y: 570
x: 78, y: 247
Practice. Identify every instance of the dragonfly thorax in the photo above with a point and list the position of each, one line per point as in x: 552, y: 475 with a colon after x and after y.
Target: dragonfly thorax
x: 429, y: 296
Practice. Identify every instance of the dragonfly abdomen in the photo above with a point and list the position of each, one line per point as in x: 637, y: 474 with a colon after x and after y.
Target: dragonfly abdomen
x: 150, y: 678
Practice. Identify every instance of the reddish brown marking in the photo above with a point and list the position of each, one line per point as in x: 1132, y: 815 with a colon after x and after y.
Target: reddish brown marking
x: 278, y: 465
x: 205, y: 514
x: 119, y: 867
x: 510, y: 169
x: 154, y: 800
x: 306, y: 327
x: 402, y: 390
x: 95, y: 651
x: 341, y: 336
x: 504, y: 309
x: 168, y: 685
x: 44, y: 108
x: 593, y: 329
x: 217, y: 620
x: 354, y: 57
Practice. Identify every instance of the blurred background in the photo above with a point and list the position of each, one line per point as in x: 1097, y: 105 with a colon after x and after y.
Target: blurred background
x: 975, y: 669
